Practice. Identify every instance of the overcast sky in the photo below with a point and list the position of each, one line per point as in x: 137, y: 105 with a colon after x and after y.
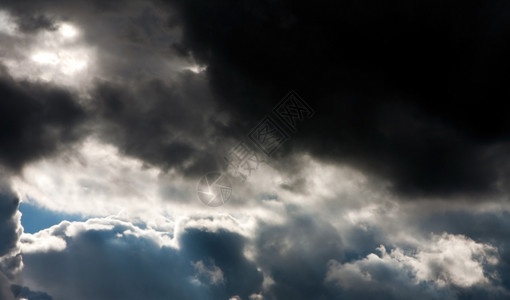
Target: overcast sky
x: 254, y: 150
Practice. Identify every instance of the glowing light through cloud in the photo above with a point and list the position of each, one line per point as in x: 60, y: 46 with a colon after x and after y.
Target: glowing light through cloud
x: 68, y: 31
x: 45, y: 58
x: 66, y: 62
x: 196, y: 68
x: 59, y: 56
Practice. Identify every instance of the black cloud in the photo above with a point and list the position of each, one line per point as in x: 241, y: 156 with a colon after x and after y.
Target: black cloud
x: 287, y: 252
x: 8, y: 226
x: 10, y: 231
x: 226, y: 251
x: 34, y: 23
x: 408, y: 91
x: 36, y: 120
x: 170, y: 126
x: 413, y: 91
x: 26, y: 293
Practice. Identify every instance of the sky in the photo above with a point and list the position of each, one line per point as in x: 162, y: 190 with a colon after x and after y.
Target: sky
x: 254, y: 150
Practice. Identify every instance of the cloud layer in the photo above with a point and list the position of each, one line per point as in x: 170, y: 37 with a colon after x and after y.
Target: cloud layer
x: 395, y: 189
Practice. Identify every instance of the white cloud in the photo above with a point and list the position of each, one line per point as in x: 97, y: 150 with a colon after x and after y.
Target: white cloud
x: 42, y: 241
x: 213, y: 274
x: 135, y: 262
x: 444, y: 260
x: 452, y: 259
x: 93, y: 179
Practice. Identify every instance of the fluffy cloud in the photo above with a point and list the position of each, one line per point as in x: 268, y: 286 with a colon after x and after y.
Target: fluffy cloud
x: 135, y: 263
x: 444, y: 260
x: 303, y: 258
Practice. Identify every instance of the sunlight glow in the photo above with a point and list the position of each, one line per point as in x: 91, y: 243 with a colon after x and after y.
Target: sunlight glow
x: 196, y: 68
x: 68, y: 31
x: 66, y: 62
x: 59, y: 56
x: 46, y: 58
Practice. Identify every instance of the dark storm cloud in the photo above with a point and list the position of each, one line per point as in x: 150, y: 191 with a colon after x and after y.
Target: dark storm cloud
x: 34, y: 23
x: 10, y: 231
x: 414, y: 91
x: 295, y: 255
x: 9, y: 227
x: 406, y: 91
x: 146, y: 103
x: 26, y: 293
x: 225, y: 250
x: 35, y: 120
x: 409, y: 91
x: 170, y: 126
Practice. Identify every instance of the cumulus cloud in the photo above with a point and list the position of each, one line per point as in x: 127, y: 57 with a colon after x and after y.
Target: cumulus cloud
x: 149, y: 268
x: 445, y: 261
x: 41, y: 242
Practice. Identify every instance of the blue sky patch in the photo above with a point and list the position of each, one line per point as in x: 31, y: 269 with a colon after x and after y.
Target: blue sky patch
x: 35, y: 218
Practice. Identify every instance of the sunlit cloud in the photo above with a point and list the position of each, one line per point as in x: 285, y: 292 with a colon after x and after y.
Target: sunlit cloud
x: 196, y: 68
x: 57, y: 56
x: 68, y: 31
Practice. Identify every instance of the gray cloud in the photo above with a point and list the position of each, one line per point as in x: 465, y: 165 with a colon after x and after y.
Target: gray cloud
x: 5, y: 292
x: 34, y: 23
x: 295, y: 255
x: 396, y: 87
x: 302, y: 258
x: 174, y: 126
x: 409, y: 94
x: 26, y: 293
x: 10, y: 231
x: 384, y: 111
